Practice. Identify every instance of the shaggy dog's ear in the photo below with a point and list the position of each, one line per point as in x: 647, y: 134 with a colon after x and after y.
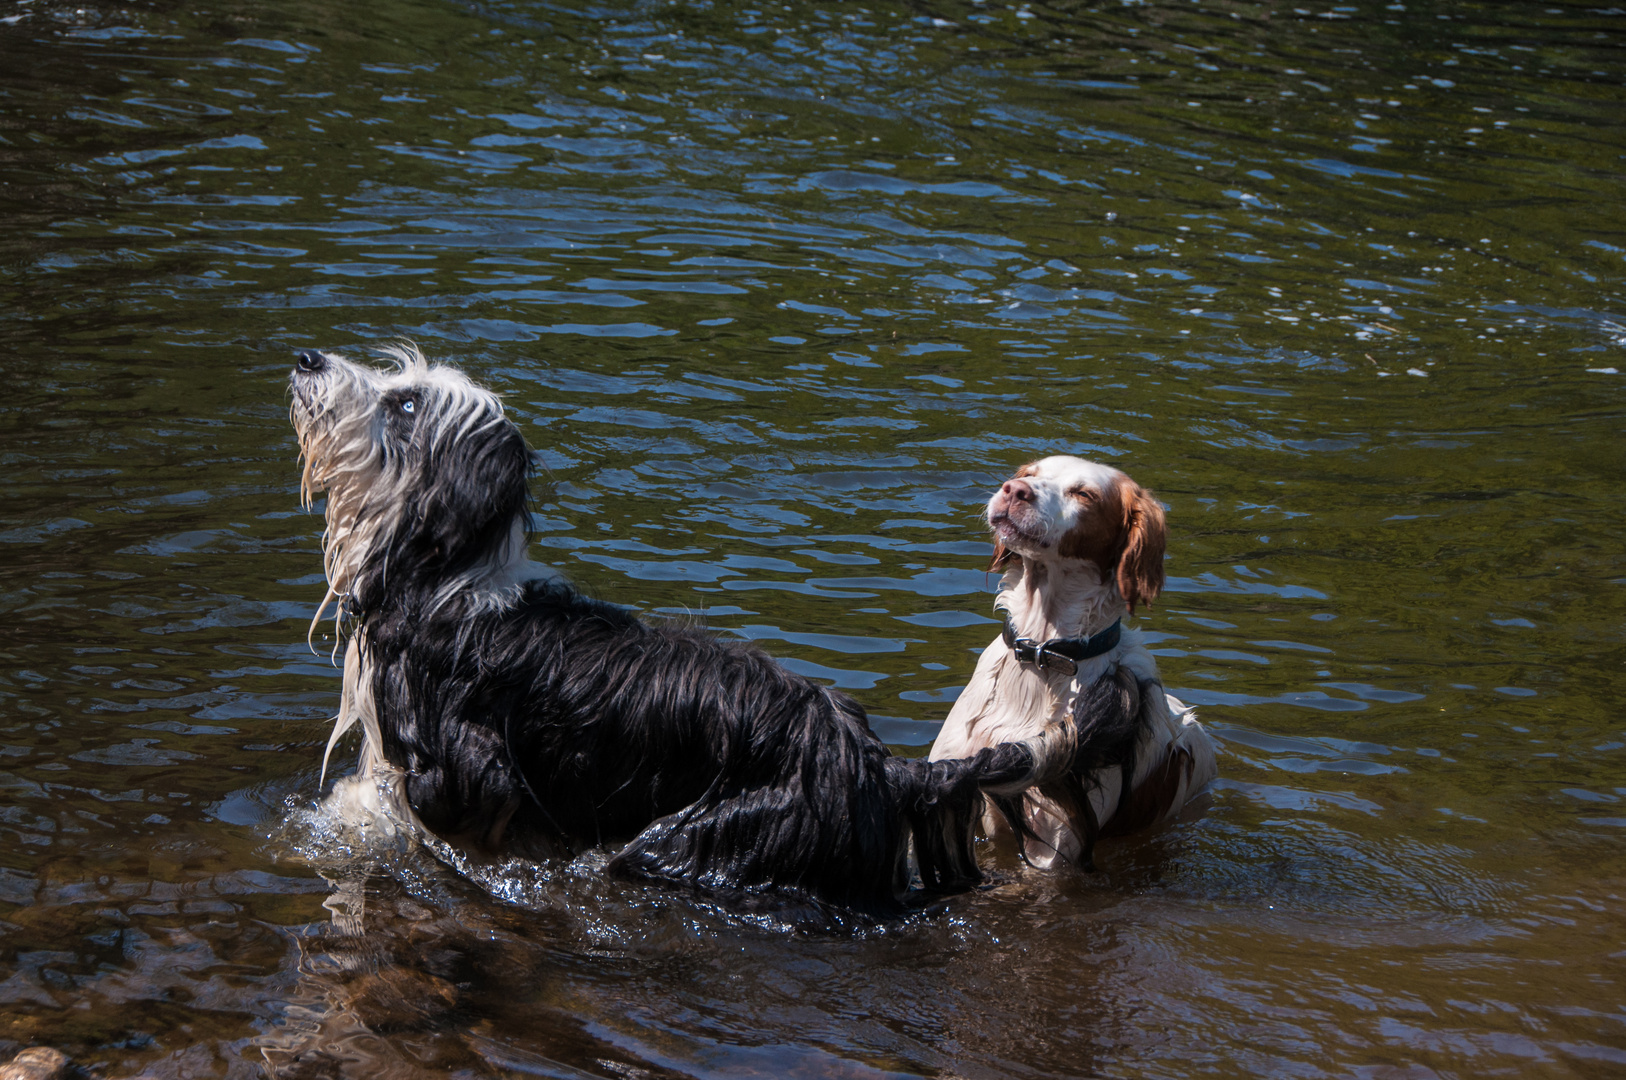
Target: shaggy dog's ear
x: 473, y: 486
x: 461, y: 493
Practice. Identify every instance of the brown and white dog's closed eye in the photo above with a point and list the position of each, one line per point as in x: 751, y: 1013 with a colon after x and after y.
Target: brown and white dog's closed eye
x: 1080, y: 544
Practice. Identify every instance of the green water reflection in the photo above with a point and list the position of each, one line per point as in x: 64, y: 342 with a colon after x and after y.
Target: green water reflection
x: 781, y: 292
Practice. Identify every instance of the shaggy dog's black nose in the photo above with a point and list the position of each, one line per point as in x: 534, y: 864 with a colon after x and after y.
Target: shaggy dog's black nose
x: 311, y: 361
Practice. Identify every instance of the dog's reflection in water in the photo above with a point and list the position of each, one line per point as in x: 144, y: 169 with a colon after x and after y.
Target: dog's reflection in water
x: 397, y: 986
x: 358, y: 989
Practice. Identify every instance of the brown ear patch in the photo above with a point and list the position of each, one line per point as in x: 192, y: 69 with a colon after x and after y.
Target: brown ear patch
x: 1140, y: 567
x: 1124, y: 536
x: 1099, y: 536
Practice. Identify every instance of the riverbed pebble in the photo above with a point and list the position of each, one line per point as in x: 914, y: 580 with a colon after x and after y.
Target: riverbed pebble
x: 35, y: 1063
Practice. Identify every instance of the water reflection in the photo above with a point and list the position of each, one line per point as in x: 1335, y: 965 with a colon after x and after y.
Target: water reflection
x: 780, y: 293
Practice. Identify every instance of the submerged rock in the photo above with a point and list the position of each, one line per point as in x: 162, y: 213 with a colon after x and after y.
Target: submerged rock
x: 400, y: 999
x: 36, y: 1063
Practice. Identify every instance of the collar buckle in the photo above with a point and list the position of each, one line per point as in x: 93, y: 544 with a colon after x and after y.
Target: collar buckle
x: 1059, y: 654
x: 1042, y: 656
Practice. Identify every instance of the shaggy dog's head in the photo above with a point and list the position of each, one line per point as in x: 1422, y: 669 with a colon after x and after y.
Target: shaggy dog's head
x: 426, y: 479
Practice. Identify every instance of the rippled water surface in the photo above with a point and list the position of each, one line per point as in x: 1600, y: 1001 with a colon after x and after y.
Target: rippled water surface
x: 781, y: 292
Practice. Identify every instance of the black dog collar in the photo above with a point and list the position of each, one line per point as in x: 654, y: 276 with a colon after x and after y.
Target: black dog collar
x: 1062, y: 653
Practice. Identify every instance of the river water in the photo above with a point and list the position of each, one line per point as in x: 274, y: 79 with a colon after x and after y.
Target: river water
x: 781, y: 292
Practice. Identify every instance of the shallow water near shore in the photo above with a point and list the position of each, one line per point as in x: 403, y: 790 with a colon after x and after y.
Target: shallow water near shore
x: 781, y: 293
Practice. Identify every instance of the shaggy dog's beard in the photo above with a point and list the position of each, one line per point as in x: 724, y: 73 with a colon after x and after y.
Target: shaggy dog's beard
x: 501, y: 710
x: 343, y: 455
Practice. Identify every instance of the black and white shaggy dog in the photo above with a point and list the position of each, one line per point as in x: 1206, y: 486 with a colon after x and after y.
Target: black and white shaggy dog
x: 502, y: 711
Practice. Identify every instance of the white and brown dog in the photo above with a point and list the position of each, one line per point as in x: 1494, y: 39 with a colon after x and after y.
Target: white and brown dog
x: 1079, y: 543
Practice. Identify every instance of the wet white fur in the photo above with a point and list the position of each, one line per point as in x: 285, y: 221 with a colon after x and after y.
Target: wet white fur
x: 1049, y: 596
x: 1051, y: 505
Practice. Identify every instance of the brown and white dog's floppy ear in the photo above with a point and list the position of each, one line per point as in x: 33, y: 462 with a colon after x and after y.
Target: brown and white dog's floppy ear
x: 1140, y: 567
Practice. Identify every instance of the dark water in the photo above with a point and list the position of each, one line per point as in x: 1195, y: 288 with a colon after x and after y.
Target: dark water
x: 782, y: 292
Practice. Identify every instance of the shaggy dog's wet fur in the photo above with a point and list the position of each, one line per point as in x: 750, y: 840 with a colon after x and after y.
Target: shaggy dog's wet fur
x: 503, y: 711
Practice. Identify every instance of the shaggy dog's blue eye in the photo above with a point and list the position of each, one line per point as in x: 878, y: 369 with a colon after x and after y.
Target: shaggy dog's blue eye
x: 409, y: 406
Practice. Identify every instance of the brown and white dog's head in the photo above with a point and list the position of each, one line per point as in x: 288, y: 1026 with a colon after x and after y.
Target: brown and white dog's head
x: 1065, y: 508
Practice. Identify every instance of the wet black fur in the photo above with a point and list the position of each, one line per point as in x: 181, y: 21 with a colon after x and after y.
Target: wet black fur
x: 1107, y: 716
x: 565, y: 722
x: 561, y: 722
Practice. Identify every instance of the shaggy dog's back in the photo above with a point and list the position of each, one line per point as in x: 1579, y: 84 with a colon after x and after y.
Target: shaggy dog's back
x: 571, y: 722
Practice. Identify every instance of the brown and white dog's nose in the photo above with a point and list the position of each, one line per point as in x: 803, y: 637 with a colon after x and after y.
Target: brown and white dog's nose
x: 311, y: 361
x: 1017, y: 489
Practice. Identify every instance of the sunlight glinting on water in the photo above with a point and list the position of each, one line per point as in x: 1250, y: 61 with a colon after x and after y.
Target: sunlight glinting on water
x: 781, y: 293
